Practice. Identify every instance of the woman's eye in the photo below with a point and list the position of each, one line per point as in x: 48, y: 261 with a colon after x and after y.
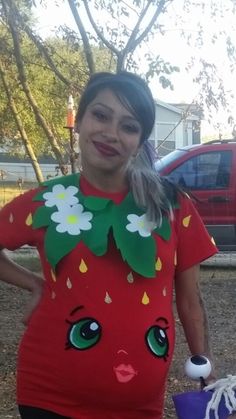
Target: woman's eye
x: 100, y: 116
x: 157, y: 340
x: 84, y: 334
x: 132, y: 129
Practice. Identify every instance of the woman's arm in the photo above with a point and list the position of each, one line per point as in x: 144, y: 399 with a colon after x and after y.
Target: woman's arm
x: 14, y: 274
x: 192, y: 312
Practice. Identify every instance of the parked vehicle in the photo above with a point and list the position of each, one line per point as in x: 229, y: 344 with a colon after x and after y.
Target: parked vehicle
x: 208, y: 171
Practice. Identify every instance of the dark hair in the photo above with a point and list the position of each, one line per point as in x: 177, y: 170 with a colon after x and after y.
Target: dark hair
x: 144, y: 181
x: 132, y: 92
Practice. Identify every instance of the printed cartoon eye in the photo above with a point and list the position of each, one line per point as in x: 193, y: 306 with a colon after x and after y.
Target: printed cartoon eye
x: 83, y: 334
x: 157, y: 341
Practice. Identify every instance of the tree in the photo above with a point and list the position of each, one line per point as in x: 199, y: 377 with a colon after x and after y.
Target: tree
x: 20, y: 126
x: 109, y: 35
x: 126, y: 28
x: 39, y: 97
x: 41, y: 75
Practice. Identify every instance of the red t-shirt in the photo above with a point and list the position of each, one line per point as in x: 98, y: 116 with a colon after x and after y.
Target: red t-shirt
x: 100, y: 343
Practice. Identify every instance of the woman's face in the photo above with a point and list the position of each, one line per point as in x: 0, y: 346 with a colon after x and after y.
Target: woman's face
x: 109, y: 134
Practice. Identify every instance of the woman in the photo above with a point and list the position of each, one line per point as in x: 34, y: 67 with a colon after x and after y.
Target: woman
x: 112, y: 241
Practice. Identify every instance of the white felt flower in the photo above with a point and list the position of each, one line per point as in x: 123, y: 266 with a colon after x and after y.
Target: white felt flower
x: 72, y: 219
x: 140, y: 224
x: 61, y: 196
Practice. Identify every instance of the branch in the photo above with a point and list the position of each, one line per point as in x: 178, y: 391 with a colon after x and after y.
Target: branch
x: 132, y: 42
x: 130, y: 7
x: 38, y: 43
x: 184, y: 115
x: 136, y: 28
x: 98, y: 32
x: 87, y: 48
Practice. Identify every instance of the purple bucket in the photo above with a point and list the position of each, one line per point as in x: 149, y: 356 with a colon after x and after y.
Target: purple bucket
x: 193, y: 405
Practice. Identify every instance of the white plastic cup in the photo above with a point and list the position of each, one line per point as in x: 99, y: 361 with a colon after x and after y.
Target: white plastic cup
x: 197, y: 367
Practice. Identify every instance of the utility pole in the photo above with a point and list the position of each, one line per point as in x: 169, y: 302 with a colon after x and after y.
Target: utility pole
x: 70, y: 122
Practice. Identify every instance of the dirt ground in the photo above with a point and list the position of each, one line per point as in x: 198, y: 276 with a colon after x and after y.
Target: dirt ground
x: 219, y: 291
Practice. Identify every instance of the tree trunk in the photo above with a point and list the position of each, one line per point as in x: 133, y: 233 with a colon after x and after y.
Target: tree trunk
x: 87, y: 48
x: 8, y: 6
x: 24, y: 137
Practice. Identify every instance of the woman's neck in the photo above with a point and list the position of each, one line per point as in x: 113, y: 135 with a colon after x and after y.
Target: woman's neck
x: 106, y: 181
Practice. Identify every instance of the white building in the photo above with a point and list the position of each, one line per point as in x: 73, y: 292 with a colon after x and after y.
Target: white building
x: 13, y: 168
x: 173, y: 128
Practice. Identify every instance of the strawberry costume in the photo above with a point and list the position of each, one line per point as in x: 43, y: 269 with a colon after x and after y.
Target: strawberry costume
x: 100, y: 343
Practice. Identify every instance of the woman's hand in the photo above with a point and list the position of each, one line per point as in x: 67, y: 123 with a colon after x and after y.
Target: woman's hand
x: 36, y: 294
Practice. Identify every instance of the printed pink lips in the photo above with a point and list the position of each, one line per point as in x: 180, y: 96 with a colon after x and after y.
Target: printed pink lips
x: 124, y: 373
x: 105, y: 149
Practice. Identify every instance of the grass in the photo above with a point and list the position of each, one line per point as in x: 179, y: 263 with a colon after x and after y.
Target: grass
x: 9, y: 190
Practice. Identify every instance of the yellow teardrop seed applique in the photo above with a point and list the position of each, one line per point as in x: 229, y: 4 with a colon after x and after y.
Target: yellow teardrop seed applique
x: 145, y: 299
x: 54, y: 278
x: 83, y: 267
x: 107, y: 298
x: 164, y: 292
x: 68, y: 283
x: 186, y: 221
x: 158, y: 265
x: 11, y: 218
x: 130, y: 278
x: 212, y: 240
x: 175, y: 259
x: 29, y: 220
x: 53, y: 295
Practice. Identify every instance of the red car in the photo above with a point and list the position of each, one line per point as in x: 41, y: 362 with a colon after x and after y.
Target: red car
x: 208, y: 172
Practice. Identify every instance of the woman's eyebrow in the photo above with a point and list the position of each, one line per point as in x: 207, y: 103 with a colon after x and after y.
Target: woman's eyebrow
x: 130, y: 116
x: 102, y: 104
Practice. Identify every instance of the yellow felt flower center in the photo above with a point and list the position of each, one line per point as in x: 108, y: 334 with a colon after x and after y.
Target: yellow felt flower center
x: 61, y: 195
x: 141, y: 224
x: 72, y: 219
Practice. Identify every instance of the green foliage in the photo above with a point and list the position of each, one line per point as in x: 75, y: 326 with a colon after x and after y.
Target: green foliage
x: 58, y: 66
x: 49, y: 91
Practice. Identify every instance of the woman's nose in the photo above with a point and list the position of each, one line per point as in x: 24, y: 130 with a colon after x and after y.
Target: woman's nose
x: 110, y: 132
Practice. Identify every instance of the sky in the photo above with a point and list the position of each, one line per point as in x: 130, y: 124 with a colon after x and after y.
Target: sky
x: 173, y: 49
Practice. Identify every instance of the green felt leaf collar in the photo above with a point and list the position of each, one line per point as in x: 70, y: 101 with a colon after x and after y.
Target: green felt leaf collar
x: 70, y: 217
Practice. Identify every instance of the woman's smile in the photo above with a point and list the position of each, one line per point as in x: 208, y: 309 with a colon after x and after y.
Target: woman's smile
x: 109, y: 138
x: 105, y: 149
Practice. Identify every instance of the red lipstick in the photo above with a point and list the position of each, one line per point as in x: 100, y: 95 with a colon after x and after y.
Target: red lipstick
x: 105, y: 149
